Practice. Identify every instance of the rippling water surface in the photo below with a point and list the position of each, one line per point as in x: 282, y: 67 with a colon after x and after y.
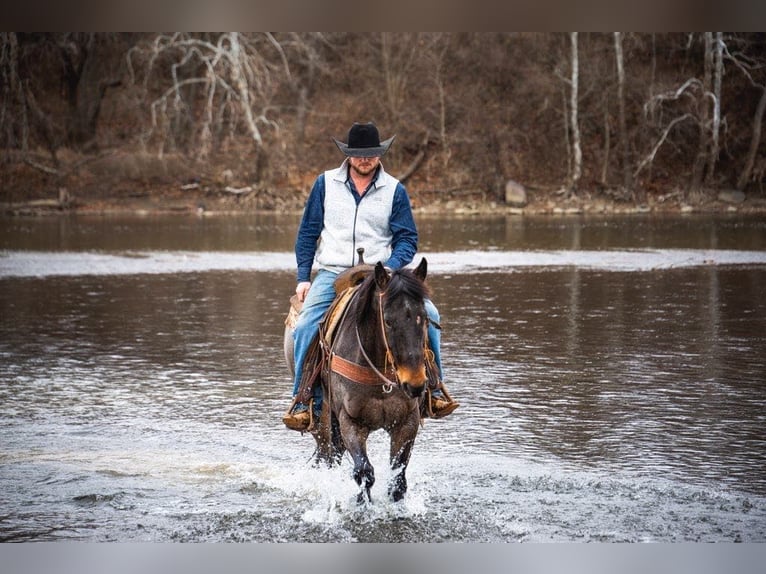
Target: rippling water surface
x: 611, y: 386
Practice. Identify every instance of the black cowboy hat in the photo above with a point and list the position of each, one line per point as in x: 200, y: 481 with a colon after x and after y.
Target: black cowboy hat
x: 364, y: 141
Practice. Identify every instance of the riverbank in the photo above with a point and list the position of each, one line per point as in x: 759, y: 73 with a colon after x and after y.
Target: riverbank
x: 193, y: 199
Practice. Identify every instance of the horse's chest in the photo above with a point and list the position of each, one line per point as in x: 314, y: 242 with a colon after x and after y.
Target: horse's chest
x: 384, y: 412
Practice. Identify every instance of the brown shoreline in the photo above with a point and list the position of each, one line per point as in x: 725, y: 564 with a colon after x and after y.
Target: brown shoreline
x: 540, y: 204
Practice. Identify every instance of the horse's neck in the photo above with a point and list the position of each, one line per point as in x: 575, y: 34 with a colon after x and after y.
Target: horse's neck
x: 369, y: 330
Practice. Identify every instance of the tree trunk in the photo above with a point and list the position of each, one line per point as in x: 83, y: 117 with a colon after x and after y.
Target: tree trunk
x: 652, y: 81
x: 15, y: 113
x: 576, y: 149
x: 243, y: 89
x: 86, y: 80
x: 698, y: 170
x: 626, y: 167
x: 441, y: 91
x: 716, y: 128
x: 755, y: 142
x: 607, y: 145
x: 567, y: 137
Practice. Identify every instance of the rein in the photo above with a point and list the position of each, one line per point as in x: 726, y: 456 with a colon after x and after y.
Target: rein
x: 388, y: 384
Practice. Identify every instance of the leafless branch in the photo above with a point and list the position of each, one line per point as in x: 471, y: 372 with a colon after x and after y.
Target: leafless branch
x: 650, y: 157
x: 235, y: 70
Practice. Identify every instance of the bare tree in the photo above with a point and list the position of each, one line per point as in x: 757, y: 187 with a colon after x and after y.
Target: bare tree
x: 755, y: 142
x: 571, y: 121
x: 398, y: 52
x: 237, y: 75
x: 305, y: 64
x: 574, y: 108
x: 697, y: 101
x: 652, y: 109
x: 437, y: 56
x: 14, y: 114
x: 716, y: 127
x: 749, y: 66
x: 469, y: 109
x: 624, y: 144
x: 706, y: 130
x: 80, y: 65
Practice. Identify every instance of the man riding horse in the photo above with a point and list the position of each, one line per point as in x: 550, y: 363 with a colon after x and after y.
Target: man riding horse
x: 358, y: 205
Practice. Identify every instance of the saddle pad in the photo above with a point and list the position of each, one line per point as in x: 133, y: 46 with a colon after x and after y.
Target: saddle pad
x: 335, y: 312
x: 292, y: 315
x: 332, y: 316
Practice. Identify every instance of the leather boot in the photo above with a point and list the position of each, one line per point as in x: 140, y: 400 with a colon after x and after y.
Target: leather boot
x: 298, y: 418
x: 441, y: 404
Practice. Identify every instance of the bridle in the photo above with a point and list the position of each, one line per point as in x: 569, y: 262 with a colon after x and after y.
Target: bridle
x: 388, y: 384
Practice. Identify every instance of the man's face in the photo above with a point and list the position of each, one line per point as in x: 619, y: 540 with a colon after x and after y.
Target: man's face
x: 364, y: 165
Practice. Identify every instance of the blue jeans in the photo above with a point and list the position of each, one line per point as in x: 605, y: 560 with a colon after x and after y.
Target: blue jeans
x: 318, y: 300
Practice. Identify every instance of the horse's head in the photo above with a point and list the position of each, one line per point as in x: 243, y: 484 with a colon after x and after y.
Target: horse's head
x: 402, y: 309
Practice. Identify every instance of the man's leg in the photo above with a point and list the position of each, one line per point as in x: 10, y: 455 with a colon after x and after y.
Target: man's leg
x: 441, y: 405
x: 318, y: 300
x: 435, y: 335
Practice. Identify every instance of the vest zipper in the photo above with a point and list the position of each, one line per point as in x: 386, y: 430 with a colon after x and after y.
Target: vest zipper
x: 353, y: 232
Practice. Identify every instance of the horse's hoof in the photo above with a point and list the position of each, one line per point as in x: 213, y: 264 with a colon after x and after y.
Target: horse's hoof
x: 397, y: 495
x: 364, y: 497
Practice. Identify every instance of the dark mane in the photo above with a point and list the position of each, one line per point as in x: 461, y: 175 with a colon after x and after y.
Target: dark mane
x: 403, y: 283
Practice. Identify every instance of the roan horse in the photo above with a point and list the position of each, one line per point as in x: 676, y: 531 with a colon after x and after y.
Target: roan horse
x: 375, y: 371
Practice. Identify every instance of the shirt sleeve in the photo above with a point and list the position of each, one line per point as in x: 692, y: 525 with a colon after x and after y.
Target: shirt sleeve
x: 404, y: 244
x: 309, y: 230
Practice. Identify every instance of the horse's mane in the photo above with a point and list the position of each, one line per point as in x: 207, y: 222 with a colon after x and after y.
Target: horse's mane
x: 403, y: 283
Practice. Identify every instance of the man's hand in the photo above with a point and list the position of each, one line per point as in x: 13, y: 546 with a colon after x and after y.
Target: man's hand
x: 301, y: 289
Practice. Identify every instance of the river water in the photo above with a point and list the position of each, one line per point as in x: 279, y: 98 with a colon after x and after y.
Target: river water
x: 611, y: 374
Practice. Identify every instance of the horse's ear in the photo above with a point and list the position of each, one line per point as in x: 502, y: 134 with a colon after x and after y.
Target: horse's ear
x: 381, y: 275
x: 422, y: 270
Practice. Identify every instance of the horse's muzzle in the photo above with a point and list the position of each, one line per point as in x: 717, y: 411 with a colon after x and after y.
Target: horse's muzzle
x: 413, y: 381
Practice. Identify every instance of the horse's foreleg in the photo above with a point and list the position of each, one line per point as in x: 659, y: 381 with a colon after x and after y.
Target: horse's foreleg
x: 325, y: 441
x: 355, y: 439
x: 338, y: 446
x: 402, y: 442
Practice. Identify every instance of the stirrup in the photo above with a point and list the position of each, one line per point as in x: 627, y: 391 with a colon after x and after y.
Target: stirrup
x: 438, y: 408
x: 301, y: 421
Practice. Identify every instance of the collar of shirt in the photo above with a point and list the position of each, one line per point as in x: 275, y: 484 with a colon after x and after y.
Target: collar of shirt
x: 351, y: 185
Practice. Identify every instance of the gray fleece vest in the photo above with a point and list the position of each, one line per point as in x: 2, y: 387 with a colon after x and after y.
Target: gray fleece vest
x: 348, y: 226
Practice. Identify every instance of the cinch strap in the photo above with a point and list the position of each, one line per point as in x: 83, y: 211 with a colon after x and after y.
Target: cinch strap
x: 355, y: 372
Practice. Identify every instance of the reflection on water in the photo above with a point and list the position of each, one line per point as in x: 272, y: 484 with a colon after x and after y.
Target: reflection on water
x: 658, y: 373
x: 275, y: 232
x: 77, y: 232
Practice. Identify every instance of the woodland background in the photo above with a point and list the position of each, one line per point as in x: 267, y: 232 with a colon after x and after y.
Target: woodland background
x: 245, y: 120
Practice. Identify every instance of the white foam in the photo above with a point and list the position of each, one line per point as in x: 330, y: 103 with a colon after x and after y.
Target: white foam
x: 67, y: 263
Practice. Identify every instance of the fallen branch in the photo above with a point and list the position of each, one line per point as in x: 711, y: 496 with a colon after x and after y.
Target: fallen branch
x: 238, y: 190
x: 415, y: 164
x: 41, y: 167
